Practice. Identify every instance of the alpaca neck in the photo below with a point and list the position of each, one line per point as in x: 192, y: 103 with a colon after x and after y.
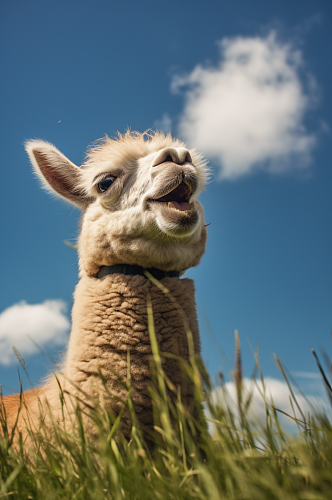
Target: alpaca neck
x: 110, y: 318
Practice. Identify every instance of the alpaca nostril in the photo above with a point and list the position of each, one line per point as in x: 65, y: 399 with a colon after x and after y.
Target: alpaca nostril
x: 188, y: 158
x: 174, y: 155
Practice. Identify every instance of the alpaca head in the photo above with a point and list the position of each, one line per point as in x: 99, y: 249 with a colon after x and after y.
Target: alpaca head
x: 138, y: 194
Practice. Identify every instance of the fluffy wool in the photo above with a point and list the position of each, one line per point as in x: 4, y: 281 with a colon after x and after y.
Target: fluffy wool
x: 148, y: 215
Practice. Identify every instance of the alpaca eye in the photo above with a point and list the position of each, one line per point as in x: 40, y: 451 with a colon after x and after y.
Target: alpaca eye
x: 105, y: 183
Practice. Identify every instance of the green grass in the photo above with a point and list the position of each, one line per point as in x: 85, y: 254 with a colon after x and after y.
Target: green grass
x: 239, y: 460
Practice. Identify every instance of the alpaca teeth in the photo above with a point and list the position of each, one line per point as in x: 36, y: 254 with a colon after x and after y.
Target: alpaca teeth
x: 192, y: 206
x: 170, y: 205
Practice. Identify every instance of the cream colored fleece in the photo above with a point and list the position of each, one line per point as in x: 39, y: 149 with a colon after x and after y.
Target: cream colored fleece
x: 110, y: 318
x: 134, y: 221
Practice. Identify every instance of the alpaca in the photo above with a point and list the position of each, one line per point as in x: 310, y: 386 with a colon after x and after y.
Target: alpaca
x: 138, y: 196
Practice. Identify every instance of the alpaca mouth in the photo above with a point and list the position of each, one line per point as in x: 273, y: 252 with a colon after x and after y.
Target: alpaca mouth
x: 177, y: 199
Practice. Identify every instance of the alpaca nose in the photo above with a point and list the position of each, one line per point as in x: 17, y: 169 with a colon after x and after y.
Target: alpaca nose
x: 175, y: 155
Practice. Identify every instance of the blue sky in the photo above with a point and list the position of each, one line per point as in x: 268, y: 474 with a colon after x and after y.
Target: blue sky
x: 249, y: 84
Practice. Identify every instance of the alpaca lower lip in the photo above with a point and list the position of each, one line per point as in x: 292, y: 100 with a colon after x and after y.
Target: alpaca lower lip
x: 173, y: 213
x: 176, y: 220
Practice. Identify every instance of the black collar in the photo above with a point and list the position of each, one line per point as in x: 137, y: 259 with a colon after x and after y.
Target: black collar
x: 132, y: 270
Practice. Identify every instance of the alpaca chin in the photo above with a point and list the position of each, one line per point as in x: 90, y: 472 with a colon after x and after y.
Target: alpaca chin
x: 175, y: 222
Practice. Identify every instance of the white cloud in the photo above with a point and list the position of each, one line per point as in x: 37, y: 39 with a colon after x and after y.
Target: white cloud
x: 275, y: 390
x: 164, y: 124
x: 45, y: 323
x: 248, y: 111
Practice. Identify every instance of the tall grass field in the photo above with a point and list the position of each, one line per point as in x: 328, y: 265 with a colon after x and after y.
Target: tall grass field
x: 224, y: 455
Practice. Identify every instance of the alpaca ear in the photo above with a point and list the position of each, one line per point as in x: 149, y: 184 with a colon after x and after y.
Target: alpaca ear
x: 58, y: 174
